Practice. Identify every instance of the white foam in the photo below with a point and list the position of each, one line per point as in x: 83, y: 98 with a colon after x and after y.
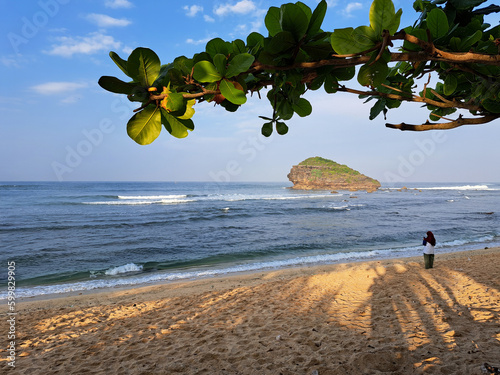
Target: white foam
x: 130, y: 267
x: 460, y: 187
x: 152, y: 197
x: 456, y: 245
x: 140, y: 202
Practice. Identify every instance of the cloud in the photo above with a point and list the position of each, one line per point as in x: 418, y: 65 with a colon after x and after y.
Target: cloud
x: 104, y: 21
x: 241, y: 7
x: 52, y: 88
x: 331, y: 3
x: 192, y: 10
x: 9, y: 62
x: 352, y: 7
x: 208, y: 18
x: 115, y: 4
x: 199, y: 41
x: 92, y: 43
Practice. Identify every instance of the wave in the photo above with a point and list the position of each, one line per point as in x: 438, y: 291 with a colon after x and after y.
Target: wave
x: 140, y: 202
x: 280, y: 197
x: 152, y: 197
x: 127, y: 268
x: 102, y: 280
x: 458, y: 187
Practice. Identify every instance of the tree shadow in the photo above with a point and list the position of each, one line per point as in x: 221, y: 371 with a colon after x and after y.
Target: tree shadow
x: 365, y: 318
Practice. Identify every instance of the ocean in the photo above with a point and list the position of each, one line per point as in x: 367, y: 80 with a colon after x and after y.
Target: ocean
x: 77, y: 236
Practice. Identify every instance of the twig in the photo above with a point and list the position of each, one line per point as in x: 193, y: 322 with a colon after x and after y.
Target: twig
x: 444, y: 126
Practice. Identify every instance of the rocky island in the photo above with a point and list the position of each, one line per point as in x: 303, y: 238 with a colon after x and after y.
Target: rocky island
x: 322, y: 174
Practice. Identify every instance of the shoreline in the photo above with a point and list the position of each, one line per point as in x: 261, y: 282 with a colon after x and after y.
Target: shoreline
x: 374, y: 317
x: 227, y: 271
x: 111, y: 289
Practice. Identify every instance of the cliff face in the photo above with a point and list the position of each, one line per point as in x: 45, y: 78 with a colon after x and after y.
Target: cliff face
x: 323, y: 174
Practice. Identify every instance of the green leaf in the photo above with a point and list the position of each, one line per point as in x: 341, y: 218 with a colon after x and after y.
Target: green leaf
x: 344, y: 74
x: 189, y: 110
x: 183, y: 64
x: 239, y: 64
x: 348, y: 41
x: 382, y: 13
x: 216, y: 46
x: 220, y: 62
x: 303, y: 108
x: 116, y: 85
x: 317, y: 18
x: 294, y: 20
x: 285, y: 109
x: 143, y: 66
x: 267, y: 129
x: 281, y: 128
x: 393, y: 26
x: 173, y: 125
x: 365, y: 36
x: 450, y: 84
x: 491, y: 105
x: 466, y: 4
x: 145, y: 126
x: 467, y: 43
x: 238, y: 46
x: 437, y: 23
x: 373, y: 75
x: 231, y: 93
x: 280, y: 42
x: 122, y: 64
x: 343, y: 42
x: 307, y: 11
x: 163, y: 78
x: 228, y: 106
x: 455, y: 43
x: 255, y: 39
x: 272, y: 21
x: 205, y: 71
x: 378, y: 107
x: 331, y: 85
x: 175, y: 104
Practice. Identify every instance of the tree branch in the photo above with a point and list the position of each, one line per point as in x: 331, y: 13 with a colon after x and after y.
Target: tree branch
x: 444, y: 126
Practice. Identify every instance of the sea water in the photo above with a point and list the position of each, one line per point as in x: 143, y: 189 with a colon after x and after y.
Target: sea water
x: 80, y: 236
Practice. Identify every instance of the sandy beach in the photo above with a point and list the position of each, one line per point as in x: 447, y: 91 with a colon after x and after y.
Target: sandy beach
x: 378, y: 317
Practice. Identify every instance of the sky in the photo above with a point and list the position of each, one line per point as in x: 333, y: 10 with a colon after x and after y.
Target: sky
x: 57, y: 124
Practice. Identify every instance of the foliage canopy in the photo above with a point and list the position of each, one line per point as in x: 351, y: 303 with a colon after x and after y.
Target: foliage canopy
x: 449, y: 39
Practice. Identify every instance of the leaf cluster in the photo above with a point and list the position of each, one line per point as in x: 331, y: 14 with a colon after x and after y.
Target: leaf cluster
x: 449, y: 39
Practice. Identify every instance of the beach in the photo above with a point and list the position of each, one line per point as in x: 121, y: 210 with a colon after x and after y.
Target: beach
x: 377, y: 317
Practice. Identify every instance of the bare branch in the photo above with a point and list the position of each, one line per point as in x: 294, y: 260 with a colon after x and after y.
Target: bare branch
x: 413, y: 98
x: 444, y: 126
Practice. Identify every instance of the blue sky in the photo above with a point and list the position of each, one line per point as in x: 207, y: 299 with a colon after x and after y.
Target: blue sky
x: 58, y: 124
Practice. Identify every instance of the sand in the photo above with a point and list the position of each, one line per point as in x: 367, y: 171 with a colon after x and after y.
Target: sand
x: 379, y: 317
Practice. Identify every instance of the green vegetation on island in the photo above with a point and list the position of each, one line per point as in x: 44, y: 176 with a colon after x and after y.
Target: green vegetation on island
x: 320, y: 173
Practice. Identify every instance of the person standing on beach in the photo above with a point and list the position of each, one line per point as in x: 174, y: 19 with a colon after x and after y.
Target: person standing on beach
x: 429, y: 243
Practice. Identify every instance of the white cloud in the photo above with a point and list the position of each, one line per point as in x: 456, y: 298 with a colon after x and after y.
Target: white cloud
x: 92, y: 43
x: 352, y: 7
x: 127, y: 50
x: 199, y: 41
x: 102, y: 20
x: 331, y: 3
x: 51, y: 88
x: 192, y: 10
x: 241, y: 7
x: 208, y: 18
x: 115, y: 4
x: 9, y: 62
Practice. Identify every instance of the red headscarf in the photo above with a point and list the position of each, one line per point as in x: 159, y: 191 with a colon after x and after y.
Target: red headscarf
x: 430, y: 238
